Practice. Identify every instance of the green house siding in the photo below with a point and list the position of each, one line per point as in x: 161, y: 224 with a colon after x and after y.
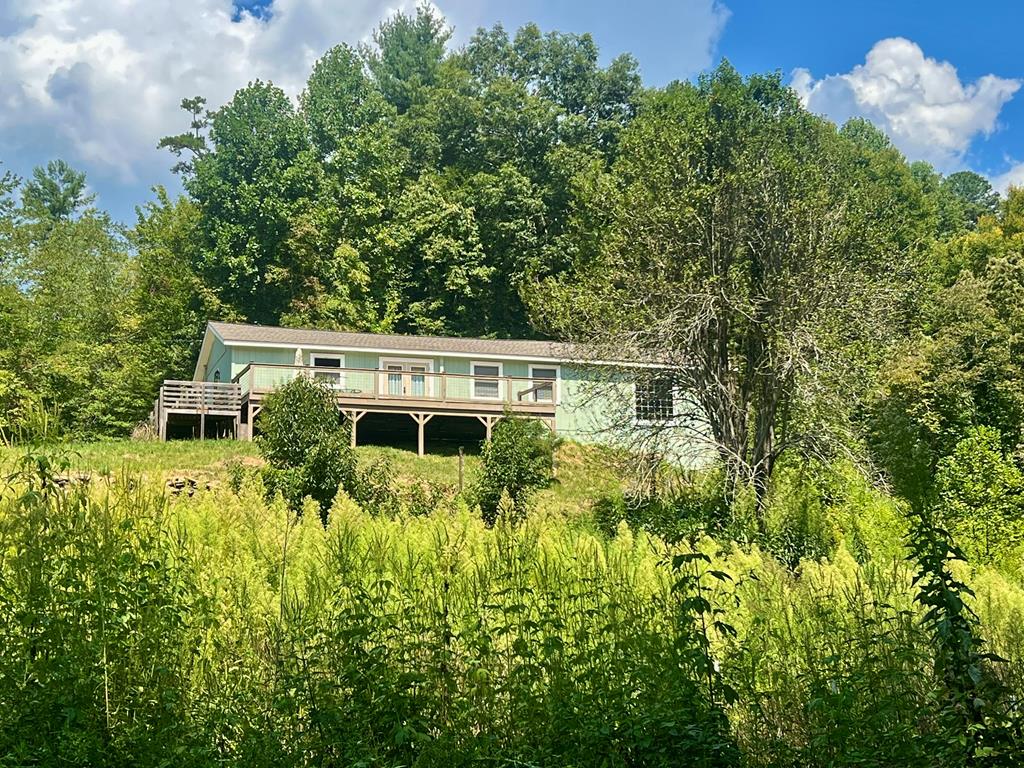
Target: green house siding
x: 586, y: 410
x: 220, y: 363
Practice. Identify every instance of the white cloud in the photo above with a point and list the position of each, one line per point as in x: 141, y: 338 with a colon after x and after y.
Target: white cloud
x: 919, y: 102
x: 99, y: 81
x: 1014, y: 177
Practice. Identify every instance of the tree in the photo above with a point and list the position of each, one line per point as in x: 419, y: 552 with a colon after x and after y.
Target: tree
x: 980, y: 497
x: 76, y: 284
x: 960, y: 366
x: 748, y: 251
x: 192, y: 141
x: 305, y: 444
x: 339, y: 103
x: 975, y: 194
x: 170, y: 302
x: 408, y: 56
x: 55, y: 193
x: 515, y: 462
x: 258, y: 175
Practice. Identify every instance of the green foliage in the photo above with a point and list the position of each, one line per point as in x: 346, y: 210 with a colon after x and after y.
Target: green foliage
x: 427, y: 640
x: 54, y: 194
x: 976, y: 732
x: 960, y: 367
x: 980, y: 498
x: 248, y: 187
x: 773, y: 243
x: 975, y: 194
x: 434, y: 639
x: 514, y: 463
x: 193, y: 141
x: 408, y: 56
x: 696, y: 507
x: 305, y: 444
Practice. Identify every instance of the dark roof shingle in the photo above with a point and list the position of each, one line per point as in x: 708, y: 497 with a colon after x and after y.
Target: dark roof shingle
x: 265, y: 334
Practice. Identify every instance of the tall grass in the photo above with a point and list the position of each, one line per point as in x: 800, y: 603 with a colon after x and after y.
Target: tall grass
x: 225, y: 630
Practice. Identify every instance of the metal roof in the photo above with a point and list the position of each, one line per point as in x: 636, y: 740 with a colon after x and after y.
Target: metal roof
x: 241, y: 334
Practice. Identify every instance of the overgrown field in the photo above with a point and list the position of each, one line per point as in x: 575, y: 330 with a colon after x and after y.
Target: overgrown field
x: 142, y: 627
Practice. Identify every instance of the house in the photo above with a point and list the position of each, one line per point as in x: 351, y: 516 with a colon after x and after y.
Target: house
x: 435, y: 386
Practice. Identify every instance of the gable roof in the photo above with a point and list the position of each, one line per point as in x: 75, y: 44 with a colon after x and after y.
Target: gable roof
x: 238, y: 334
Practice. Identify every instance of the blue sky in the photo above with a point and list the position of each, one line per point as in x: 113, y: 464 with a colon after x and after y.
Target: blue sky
x: 98, y: 83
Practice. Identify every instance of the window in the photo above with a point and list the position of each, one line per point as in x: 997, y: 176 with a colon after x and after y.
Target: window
x: 655, y: 400
x: 327, y: 361
x: 484, y: 386
x: 539, y: 376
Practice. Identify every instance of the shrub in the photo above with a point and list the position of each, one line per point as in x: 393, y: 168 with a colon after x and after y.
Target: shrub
x: 695, y: 504
x: 980, y: 497
x: 375, y: 488
x: 517, y: 460
x: 306, y: 445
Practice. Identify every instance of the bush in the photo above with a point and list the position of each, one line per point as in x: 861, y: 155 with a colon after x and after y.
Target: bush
x: 375, y: 488
x: 518, y: 459
x: 980, y: 497
x: 306, y: 445
x: 694, y: 505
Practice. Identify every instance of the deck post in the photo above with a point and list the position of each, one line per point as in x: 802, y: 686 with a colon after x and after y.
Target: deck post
x: 421, y: 423
x: 353, y: 417
x: 202, y: 425
x: 488, y: 422
x: 248, y: 435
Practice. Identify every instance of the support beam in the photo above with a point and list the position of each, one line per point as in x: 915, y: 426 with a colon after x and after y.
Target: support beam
x: 252, y: 415
x: 488, y: 422
x: 421, y: 420
x: 353, y: 417
x: 202, y: 425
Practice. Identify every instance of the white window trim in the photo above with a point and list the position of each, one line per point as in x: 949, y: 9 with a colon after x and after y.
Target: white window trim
x: 556, y: 394
x: 313, y: 354
x: 472, y: 382
x: 383, y: 361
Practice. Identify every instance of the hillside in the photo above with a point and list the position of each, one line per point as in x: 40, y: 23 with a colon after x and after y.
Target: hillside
x: 583, y: 474
x: 221, y: 628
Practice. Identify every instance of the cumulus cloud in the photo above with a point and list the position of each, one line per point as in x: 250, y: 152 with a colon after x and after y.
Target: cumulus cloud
x: 99, y: 81
x: 920, y: 102
x: 1014, y: 177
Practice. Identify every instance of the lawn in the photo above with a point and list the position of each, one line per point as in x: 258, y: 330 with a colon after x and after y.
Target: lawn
x: 583, y: 473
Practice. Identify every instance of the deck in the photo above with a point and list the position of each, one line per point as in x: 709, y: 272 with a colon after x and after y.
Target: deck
x: 196, y: 398
x: 422, y: 395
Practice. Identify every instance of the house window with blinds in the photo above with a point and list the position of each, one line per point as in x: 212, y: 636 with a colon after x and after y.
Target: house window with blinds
x: 486, y: 381
x: 542, y: 382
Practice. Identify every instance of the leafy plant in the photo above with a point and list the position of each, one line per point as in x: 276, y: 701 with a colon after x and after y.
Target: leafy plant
x: 975, y: 729
x: 517, y: 460
x: 980, y: 497
x: 305, y: 443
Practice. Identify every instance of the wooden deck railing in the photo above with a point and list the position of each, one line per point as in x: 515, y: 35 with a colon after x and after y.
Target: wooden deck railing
x: 374, y: 384
x: 200, y: 397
